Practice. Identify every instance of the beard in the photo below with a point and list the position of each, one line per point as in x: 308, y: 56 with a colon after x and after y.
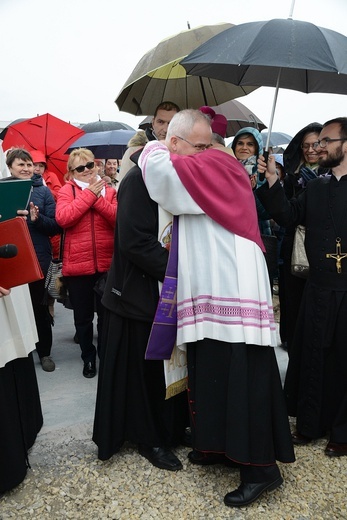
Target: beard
x: 332, y: 160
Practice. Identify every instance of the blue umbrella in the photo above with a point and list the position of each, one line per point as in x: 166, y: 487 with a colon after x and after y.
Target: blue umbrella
x: 105, y: 145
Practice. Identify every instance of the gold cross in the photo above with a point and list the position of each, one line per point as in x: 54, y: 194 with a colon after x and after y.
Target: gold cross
x: 338, y: 256
x: 173, y: 302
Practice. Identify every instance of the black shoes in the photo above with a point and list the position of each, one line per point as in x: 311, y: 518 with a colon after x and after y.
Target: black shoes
x: 206, y: 459
x: 89, y: 369
x: 247, y: 493
x: 334, y: 449
x: 161, y: 458
x: 299, y: 439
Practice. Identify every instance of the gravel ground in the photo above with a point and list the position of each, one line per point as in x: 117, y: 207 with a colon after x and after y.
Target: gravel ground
x: 67, y: 481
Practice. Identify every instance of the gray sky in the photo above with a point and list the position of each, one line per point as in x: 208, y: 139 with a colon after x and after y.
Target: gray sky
x: 72, y: 57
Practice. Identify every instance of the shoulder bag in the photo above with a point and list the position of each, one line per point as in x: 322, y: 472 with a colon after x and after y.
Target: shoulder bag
x: 299, y: 263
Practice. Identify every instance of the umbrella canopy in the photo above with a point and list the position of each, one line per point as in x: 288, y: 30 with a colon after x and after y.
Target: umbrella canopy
x: 4, y: 131
x: 48, y: 134
x: 104, y: 126
x: 276, y: 139
x: 158, y: 77
x: 104, y: 145
x: 287, y: 53
x: 237, y: 114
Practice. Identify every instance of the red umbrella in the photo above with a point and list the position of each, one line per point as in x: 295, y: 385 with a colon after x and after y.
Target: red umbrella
x: 46, y: 133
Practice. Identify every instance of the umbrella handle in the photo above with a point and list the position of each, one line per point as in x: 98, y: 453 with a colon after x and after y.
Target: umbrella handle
x: 261, y: 175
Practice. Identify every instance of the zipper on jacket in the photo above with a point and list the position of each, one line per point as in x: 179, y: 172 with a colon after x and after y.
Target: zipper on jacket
x: 94, y: 241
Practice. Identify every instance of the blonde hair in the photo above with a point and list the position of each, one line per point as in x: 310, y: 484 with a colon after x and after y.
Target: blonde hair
x: 79, y: 153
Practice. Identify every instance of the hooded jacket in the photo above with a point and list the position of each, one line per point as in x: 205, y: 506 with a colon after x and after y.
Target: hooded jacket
x: 292, y: 156
x: 258, y: 139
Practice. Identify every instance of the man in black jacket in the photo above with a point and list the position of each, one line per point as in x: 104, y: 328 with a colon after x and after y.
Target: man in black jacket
x: 316, y: 380
x: 131, y: 404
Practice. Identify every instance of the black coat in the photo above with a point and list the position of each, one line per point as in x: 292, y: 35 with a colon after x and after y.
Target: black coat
x: 45, y: 226
x: 139, y: 260
x: 323, y: 224
x: 316, y: 382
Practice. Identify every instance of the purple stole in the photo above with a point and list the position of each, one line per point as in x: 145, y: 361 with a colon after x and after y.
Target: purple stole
x: 164, y: 329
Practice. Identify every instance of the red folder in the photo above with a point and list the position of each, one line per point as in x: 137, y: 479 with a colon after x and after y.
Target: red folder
x: 24, y: 267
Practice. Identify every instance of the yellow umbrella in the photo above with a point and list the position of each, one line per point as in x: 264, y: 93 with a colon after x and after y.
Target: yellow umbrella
x: 159, y: 76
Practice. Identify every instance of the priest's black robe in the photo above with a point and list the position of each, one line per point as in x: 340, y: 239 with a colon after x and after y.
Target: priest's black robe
x: 316, y: 380
x: 21, y: 419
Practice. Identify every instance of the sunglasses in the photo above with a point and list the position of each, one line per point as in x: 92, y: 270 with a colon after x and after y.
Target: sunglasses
x: 88, y: 166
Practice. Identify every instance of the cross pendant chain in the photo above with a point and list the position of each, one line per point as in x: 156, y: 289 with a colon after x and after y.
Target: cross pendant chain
x: 338, y: 256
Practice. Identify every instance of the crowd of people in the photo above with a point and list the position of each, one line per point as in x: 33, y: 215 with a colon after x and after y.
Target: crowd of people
x: 166, y: 248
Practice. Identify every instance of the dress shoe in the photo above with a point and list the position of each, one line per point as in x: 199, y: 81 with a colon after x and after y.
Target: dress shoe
x: 207, y: 459
x: 247, y: 493
x: 89, y: 369
x: 334, y: 449
x: 161, y: 458
x: 47, y: 363
x: 300, y: 439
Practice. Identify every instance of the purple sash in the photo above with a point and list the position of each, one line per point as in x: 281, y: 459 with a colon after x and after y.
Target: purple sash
x: 164, y: 329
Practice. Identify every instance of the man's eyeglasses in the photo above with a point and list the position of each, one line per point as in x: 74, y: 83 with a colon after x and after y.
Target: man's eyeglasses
x: 323, y: 143
x: 200, y: 147
x: 88, y: 166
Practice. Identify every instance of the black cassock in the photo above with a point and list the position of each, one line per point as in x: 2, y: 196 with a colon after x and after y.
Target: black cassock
x: 21, y: 419
x: 316, y: 380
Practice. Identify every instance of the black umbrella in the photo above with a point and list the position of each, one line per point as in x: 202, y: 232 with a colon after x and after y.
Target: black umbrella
x: 277, y: 53
x: 104, y: 145
x: 4, y: 131
x: 104, y: 126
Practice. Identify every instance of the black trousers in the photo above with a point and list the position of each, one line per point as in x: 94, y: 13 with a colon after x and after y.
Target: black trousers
x: 85, y: 301
x: 43, y: 318
x: 130, y: 402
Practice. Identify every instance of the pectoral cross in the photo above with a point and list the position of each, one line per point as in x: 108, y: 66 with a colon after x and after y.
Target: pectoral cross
x: 338, y: 256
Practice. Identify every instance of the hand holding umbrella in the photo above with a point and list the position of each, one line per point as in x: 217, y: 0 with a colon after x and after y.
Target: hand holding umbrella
x: 308, y: 58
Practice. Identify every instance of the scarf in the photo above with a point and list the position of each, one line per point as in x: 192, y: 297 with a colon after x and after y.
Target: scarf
x: 162, y: 340
x: 84, y: 185
x: 220, y: 186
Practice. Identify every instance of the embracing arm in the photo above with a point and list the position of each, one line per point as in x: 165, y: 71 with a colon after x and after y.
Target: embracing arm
x: 162, y: 182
